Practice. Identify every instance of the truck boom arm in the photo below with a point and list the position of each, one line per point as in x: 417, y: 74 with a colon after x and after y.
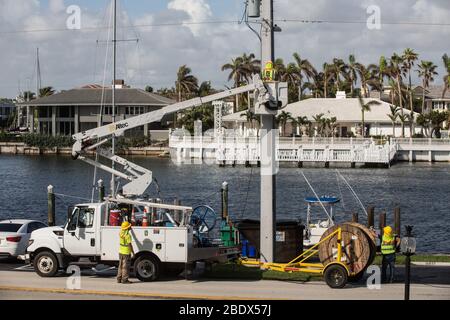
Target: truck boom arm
x: 140, y: 178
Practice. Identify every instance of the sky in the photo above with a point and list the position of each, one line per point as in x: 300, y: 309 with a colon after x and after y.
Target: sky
x: 73, y: 58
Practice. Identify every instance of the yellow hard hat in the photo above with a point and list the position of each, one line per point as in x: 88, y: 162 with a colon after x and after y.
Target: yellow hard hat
x: 269, y: 65
x: 387, y: 230
x: 125, y: 225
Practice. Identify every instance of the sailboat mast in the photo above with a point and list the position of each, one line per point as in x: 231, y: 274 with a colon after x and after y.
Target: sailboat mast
x: 113, y: 99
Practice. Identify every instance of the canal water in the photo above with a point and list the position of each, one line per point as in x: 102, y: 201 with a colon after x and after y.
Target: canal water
x: 420, y: 189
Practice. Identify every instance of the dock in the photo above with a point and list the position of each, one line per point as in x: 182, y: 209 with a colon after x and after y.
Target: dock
x: 235, y: 149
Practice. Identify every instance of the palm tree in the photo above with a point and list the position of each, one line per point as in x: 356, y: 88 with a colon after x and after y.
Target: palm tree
x: 403, y: 118
x: 327, y: 76
x: 365, y: 107
x: 238, y: 71
x: 250, y: 117
x: 339, y: 69
x: 300, y: 122
x: 280, y: 68
x: 446, y: 60
x: 46, y: 91
x: 205, y: 89
x: 282, y: 120
x: 352, y: 72
x: 318, y: 118
x: 424, y: 122
x: 396, y: 72
x: 28, y: 96
x: 382, y: 73
x: 427, y: 71
x: 186, y: 83
x: 304, y: 68
x: 409, y: 58
x: 436, y: 119
x: 291, y: 75
x: 365, y: 75
x: 393, y: 116
x: 411, y: 119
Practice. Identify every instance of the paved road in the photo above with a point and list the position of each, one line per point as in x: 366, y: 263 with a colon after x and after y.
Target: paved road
x: 20, y: 282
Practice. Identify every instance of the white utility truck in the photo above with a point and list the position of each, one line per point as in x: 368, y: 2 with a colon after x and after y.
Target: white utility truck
x: 88, y: 238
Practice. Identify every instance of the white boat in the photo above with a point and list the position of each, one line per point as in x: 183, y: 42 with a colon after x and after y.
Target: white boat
x: 316, y: 226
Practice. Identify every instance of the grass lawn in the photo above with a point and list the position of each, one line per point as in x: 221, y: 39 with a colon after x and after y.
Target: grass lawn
x: 400, y: 259
x: 237, y: 271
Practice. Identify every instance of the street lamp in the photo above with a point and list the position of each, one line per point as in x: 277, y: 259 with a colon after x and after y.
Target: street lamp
x: 408, y: 248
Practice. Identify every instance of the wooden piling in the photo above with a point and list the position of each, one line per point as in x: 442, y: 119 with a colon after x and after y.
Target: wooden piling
x: 397, y: 221
x: 370, y: 216
x: 225, y: 200
x: 382, y: 222
x: 355, y: 217
x: 51, y: 206
x: 101, y: 190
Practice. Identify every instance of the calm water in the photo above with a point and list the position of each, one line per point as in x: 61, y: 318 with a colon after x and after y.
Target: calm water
x: 421, y: 190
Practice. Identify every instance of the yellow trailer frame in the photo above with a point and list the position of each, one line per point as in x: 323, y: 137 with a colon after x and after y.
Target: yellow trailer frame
x: 300, y: 264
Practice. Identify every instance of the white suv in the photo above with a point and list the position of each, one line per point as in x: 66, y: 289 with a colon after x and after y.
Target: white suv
x: 14, y: 236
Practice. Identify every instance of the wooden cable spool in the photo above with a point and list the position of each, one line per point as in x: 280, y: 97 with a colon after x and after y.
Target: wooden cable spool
x: 358, y: 247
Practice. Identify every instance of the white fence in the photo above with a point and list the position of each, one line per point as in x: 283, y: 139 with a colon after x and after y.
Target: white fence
x: 235, y: 149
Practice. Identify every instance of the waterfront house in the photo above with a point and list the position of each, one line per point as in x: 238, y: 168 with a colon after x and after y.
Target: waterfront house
x: 6, y: 110
x: 346, y: 110
x: 435, y: 99
x: 76, y: 110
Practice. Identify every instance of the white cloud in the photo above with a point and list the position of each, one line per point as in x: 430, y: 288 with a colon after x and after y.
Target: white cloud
x: 197, y: 10
x: 70, y: 58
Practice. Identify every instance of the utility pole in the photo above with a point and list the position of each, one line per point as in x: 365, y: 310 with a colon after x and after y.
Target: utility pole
x: 268, y: 150
x: 113, y: 98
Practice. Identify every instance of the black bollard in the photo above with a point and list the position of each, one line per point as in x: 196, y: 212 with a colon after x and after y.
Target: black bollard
x: 51, y: 206
x: 370, y: 216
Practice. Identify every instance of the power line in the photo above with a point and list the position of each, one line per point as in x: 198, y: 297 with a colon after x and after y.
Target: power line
x: 177, y: 24
x: 402, y: 23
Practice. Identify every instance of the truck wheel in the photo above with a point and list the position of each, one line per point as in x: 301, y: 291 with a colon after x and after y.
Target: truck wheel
x: 147, y: 268
x: 45, y: 264
x: 335, y: 276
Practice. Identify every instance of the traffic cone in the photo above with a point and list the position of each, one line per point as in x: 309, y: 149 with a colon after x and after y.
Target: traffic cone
x: 133, y: 217
x: 145, y: 218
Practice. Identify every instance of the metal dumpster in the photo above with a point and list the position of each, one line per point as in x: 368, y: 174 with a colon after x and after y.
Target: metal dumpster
x: 288, y: 244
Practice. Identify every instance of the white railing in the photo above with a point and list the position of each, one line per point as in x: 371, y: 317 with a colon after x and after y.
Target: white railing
x: 314, y: 149
x: 421, y: 141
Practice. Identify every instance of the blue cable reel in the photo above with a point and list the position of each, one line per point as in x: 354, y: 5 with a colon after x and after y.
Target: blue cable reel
x: 203, y: 220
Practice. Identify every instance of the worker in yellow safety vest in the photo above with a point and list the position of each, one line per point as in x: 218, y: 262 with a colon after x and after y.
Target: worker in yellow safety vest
x: 125, y: 253
x: 268, y: 72
x: 388, y: 247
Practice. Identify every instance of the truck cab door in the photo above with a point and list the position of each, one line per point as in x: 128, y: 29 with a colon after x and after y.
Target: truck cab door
x: 79, y: 233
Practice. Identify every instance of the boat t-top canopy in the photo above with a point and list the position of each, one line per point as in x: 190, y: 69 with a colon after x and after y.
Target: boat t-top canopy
x: 325, y: 200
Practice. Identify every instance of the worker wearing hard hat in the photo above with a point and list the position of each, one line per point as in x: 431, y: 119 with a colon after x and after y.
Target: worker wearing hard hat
x: 125, y: 253
x: 388, y: 248
x: 269, y: 72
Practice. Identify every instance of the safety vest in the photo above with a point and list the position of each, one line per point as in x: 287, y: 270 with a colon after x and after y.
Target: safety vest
x: 387, y: 244
x: 125, y: 241
x: 268, y: 72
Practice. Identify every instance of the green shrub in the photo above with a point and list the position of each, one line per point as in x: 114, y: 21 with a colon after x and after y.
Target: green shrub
x: 47, y: 141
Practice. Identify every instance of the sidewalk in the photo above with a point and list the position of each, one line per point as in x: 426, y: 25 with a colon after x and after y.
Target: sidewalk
x: 95, y: 286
